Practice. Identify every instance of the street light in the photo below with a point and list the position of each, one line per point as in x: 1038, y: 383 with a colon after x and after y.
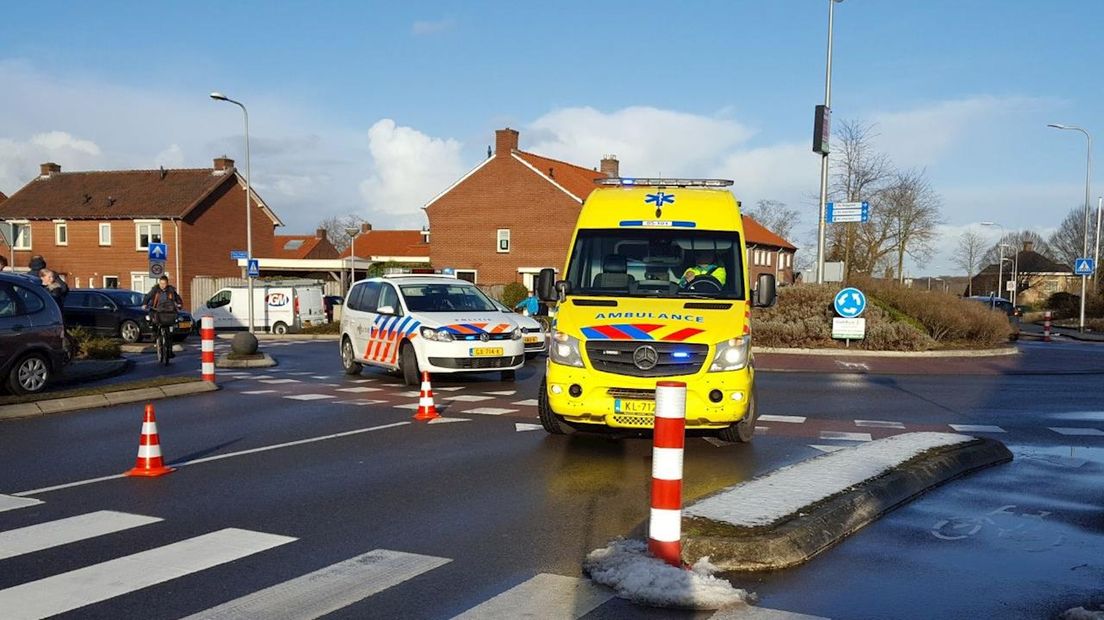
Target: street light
x: 821, y: 224
x: 1088, y: 178
x: 352, y: 232
x: 217, y: 96
x: 1000, y: 263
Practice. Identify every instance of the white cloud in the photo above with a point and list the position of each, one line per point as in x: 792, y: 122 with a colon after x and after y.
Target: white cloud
x: 20, y: 159
x: 408, y: 169
x: 172, y: 157
x: 423, y: 28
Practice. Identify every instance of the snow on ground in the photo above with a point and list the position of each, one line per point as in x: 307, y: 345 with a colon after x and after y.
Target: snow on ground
x: 783, y: 492
x: 628, y: 568
x: 1080, y: 613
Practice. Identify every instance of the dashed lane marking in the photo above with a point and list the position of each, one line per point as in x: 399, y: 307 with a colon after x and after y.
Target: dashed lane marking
x: 789, y: 419
x: 279, y: 381
x: 468, y: 398
x: 359, y: 390
x: 309, y: 397
x: 976, y: 428
x: 254, y: 392
x: 879, y: 424
x: 543, y: 596
x: 453, y: 388
x: 489, y: 411
x: 845, y: 436
x: 448, y: 420
x: 1077, y: 432
x: 522, y: 427
x: 503, y: 393
x: 531, y: 402
x: 359, y: 403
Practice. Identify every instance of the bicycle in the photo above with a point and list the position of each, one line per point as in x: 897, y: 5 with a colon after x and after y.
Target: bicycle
x: 162, y: 339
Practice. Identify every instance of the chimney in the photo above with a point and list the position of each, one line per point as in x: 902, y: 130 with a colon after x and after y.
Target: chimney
x: 1029, y: 246
x: 223, y: 163
x: 320, y: 233
x: 506, y: 141
x: 610, y: 166
x: 49, y: 168
x: 365, y: 227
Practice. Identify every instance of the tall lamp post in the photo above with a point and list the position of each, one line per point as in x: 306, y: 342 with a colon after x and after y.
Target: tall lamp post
x: 1000, y: 263
x: 352, y: 232
x: 825, y: 133
x: 1088, y: 180
x: 248, y: 195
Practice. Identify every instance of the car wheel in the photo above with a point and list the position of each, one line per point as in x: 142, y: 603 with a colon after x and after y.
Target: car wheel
x: 29, y: 375
x: 280, y: 328
x: 548, y: 418
x: 408, y: 363
x: 744, y: 430
x: 130, y: 332
x: 348, y: 358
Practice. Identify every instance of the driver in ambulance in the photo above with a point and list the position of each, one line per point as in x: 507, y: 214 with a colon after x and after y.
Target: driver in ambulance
x: 706, y: 265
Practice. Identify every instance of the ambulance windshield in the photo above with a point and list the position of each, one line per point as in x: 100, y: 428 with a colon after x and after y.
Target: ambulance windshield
x: 657, y: 263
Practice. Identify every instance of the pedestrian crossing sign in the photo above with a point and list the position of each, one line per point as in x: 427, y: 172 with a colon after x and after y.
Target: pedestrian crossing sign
x: 1084, y: 267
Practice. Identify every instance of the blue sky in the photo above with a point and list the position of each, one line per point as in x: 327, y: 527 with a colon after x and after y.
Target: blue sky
x: 372, y: 108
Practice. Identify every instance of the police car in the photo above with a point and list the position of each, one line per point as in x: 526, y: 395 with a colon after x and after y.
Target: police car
x: 534, y: 335
x: 412, y: 323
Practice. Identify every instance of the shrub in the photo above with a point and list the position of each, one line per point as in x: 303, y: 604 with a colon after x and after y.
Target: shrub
x: 324, y: 328
x: 947, y: 319
x: 1064, y: 305
x: 101, y: 349
x: 513, y: 293
x: 901, y: 336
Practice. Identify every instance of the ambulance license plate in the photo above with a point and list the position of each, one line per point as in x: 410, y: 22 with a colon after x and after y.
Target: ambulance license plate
x: 486, y: 352
x: 633, y: 406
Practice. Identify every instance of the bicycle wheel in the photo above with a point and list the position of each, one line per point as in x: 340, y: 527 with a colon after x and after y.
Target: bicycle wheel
x: 163, y: 346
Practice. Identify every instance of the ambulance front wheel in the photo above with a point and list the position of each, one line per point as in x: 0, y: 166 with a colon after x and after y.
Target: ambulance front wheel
x: 548, y: 419
x: 742, y: 431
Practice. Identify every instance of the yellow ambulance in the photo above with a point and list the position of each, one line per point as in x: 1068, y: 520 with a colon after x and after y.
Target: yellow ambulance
x: 655, y: 288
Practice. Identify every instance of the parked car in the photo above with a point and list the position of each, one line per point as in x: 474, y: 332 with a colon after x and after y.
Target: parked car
x: 534, y: 334
x: 32, y: 335
x: 329, y: 302
x: 117, y: 313
x: 999, y: 304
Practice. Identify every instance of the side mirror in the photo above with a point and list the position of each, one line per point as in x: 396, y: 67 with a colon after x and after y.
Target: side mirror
x: 765, y: 294
x: 385, y: 310
x: 563, y: 289
x: 546, y: 280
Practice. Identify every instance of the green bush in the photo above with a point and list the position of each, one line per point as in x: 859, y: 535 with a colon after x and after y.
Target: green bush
x: 947, y: 319
x: 513, y: 293
x: 324, y: 328
x: 101, y: 349
x: 1064, y: 305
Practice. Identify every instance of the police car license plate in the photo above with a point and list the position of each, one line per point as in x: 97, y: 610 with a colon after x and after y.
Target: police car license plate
x: 487, y: 352
x: 633, y: 406
x: 532, y: 339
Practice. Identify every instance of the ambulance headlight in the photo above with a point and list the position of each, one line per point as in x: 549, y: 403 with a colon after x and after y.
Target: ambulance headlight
x: 436, y: 335
x: 565, y: 350
x: 731, y: 354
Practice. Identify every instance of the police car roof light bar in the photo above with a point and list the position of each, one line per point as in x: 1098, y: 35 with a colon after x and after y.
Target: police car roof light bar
x: 662, y: 182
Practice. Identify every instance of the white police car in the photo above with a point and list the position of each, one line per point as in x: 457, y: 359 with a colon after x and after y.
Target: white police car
x: 533, y: 333
x: 412, y: 323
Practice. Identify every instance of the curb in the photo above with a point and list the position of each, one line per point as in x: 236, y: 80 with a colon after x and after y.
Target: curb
x: 107, y: 399
x: 263, y: 337
x: 148, y: 348
x: 1011, y: 350
x: 266, y: 361
x: 117, y: 369
x: 820, y: 526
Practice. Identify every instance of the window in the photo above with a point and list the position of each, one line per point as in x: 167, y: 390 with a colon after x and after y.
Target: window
x: 147, y: 232
x: 22, y: 235
x: 28, y: 301
x: 365, y: 297
x: 7, y: 302
x: 61, y: 233
x: 467, y: 274
x: 446, y: 297
x: 388, y: 297
x: 770, y: 257
x: 220, y: 299
x: 503, y: 240
x: 111, y: 281
x: 140, y: 281
x: 105, y: 233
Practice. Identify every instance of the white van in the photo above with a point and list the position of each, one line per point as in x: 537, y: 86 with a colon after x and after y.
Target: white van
x: 278, y: 309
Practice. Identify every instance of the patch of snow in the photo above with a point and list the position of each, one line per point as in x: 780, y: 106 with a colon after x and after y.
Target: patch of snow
x: 783, y: 492
x: 628, y: 568
x: 1080, y: 613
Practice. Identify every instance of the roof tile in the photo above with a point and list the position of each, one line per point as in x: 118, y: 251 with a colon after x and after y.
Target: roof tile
x: 575, y: 179
x: 388, y: 243
x: 758, y: 234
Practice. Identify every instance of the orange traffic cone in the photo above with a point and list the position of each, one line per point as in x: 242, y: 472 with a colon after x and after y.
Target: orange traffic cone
x: 426, y: 409
x: 149, y: 461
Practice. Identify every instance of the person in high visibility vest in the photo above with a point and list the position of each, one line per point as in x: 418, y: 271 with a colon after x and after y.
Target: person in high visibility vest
x: 706, y: 266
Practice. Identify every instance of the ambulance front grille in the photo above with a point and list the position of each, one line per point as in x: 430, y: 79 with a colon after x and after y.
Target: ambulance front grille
x: 675, y: 358
x: 641, y: 421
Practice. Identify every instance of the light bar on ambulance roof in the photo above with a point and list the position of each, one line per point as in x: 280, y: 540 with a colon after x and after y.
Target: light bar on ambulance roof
x: 660, y: 182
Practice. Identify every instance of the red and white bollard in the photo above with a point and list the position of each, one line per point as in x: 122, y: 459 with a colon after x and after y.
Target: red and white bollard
x: 207, y: 347
x: 1046, y: 326
x: 665, y: 524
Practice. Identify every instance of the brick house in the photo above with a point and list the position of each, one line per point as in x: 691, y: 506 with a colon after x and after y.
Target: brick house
x: 389, y: 246
x: 95, y: 227
x: 1037, y: 277
x: 515, y: 213
x: 303, y: 246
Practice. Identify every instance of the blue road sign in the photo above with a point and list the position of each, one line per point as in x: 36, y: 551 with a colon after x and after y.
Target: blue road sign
x: 238, y: 255
x: 1084, y: 267
x: 841, y: 212
x: 254, y: 268
x: 158, y: 251
x: 850, y: 302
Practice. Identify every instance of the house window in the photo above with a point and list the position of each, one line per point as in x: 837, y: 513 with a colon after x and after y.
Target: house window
x: 467, y: 274
x: 768, y: 256
x: 105, y: 233
x: 147, y: 233
x: 61, y: 233
x: 503, y: 240
x: 111, y: 281
x: 140, y: 281
x: 22, y: 235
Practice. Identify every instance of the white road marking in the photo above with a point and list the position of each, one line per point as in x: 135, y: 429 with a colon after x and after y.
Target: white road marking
x: 755, y: 612
x: 789, y: 419
x: 329, y: 589
x: 543, y: 596
x: 354, y: 381
x: 522, y: 427
x: 454, y: 388
x: 253, y: 392
x: 410, y: 394
x: 9, y: 502
x: 447, y: 420
x: 64, y: 531
x: 309, y: 397
x: 100, y: 582
x: 262, y: 377
x: 879, y: 424
x: 469, y: 398
x: 503, y: 393
x: 360, y: 390
x: 532, y: 402
x: 319, y: 377
x: 278, y: 381
x: 408, y: 406
x: 845, y: 436
x: 976, y: 428
x: 360, y: 403
x: 828, y: 448
x: 489, y: 411
x: 1079, y: 432
x: 762, y: 430
x: 303, y: 374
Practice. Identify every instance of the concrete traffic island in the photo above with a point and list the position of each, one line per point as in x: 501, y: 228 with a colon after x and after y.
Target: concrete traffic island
x: 788, y: 516
x: 244, y: 354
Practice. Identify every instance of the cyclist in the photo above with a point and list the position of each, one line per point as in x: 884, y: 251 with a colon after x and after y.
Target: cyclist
x: 163, y: 303
x: 706, y: 265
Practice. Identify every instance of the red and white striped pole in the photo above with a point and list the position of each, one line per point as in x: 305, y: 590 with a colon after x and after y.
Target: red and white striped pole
x: 207, y: 347
x: 665, y: 525
x: 1046, y: 326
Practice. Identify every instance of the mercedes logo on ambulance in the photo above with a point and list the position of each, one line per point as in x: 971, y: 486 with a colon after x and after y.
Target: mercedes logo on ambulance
x: 645, y: 357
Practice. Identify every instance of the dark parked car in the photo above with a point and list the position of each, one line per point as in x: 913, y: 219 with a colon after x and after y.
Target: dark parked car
x: 999, y: 304
x: 32, y: 337
x: 116, y: 312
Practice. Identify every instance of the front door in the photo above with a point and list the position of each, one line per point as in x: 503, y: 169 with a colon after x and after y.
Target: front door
x: 102, y: 314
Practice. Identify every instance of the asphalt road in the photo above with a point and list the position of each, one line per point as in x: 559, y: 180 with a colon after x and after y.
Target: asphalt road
x: 470, y: 510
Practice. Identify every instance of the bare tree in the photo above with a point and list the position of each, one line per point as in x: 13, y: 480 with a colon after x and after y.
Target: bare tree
x: 860, y: 173
x: 912, y: 209
x: 968, y: 254
x: 335, y: 229
x: 1067, y: 243
x: 775, y: 216
x: 1015, y: 244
